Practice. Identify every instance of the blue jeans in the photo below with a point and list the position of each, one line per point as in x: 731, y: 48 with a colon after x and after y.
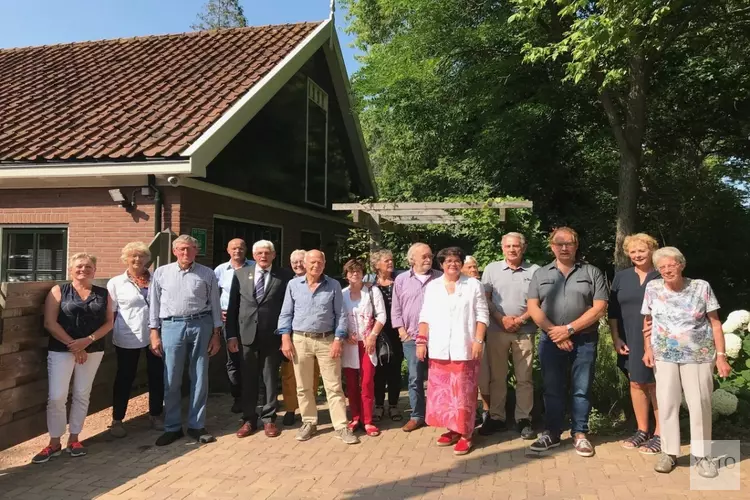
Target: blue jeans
x: 417, y: 370
x: 555, y: 364
x: 181, y: 340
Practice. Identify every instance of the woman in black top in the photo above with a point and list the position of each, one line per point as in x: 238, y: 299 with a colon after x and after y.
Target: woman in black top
x: 78, y: 317
x: 388, y: 374
x: 626, y: 325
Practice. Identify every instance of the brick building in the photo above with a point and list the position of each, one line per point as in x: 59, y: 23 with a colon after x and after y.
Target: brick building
x: 243, y: 132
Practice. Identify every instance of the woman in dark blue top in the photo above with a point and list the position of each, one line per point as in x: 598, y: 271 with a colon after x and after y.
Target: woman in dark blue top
x: 626, y: 325
x: 78, y: 317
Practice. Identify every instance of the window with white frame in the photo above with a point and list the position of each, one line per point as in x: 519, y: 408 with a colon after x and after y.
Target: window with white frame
x: 33, y: 254
x: 316, y: 155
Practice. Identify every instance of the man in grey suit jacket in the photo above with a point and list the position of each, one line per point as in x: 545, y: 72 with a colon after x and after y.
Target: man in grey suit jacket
x: 255, y: 300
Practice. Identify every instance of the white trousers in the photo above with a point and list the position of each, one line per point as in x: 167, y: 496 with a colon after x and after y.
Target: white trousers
x: 697, y: 382
x: 61, y: 367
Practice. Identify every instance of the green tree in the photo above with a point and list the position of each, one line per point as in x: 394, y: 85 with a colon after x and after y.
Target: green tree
x: 451, y: 109
x: 618, y: 47
x: 220, y: 14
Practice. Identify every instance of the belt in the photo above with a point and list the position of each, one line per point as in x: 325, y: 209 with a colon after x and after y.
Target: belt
x: 188, y: 317
x: 313, y: 334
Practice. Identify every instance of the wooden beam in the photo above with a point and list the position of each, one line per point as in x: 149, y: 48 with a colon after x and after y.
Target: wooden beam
x: 431, y: 205
x: 398, y: 213
x: 502, y: 215
x: 427, y: 220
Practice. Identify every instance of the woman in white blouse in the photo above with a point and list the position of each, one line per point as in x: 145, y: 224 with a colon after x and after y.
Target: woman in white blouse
x: 129, y: 299
x: 365, y: 313
x: 452, y: 326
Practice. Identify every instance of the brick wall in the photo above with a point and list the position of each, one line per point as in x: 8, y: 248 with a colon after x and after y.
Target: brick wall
x: 95, y: 223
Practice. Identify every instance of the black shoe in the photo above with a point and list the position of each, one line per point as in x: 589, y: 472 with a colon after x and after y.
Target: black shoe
x: 169, y: 437
x: 288, y: 419
x: 490, y: 426
x: 525, y: 429
x: 201, y: 435
x: 237, y: 406
x: 545, y: 442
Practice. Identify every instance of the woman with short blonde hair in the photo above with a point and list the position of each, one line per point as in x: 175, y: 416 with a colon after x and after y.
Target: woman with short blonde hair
x: 129, y: 298
x: 78, y: 317
x: 626, y: 325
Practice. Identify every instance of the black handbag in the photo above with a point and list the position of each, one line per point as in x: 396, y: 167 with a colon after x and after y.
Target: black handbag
x: 383, y: 347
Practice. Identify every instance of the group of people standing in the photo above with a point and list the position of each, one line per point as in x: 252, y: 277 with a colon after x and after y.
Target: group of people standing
x: 450, y: 323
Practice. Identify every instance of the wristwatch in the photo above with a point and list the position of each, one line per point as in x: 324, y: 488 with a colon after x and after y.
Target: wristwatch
x: 722, y: 354
x: 338, y: 339
x: 92, y: 338
x: 480, y: 342
x: 571, y: 330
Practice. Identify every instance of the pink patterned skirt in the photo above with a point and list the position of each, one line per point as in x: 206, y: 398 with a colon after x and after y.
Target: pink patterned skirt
x: 452, y: 395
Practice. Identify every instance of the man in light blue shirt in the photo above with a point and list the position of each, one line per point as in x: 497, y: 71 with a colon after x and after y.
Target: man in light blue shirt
x: 237, y: 250
x: 185, y: 323
x: 312, y: 326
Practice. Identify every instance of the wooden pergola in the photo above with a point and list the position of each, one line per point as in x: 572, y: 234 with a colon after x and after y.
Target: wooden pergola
x: 377, y: 216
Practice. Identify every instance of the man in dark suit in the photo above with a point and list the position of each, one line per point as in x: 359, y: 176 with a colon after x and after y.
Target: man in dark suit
x: 255, y: 300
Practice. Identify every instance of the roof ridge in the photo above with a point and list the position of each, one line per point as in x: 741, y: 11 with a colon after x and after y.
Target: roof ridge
x: 143, y: 38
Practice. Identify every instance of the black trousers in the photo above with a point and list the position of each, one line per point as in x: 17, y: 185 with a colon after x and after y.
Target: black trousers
x: 234, y: 370
x: 127, y: 367
x: 390, y: 375
x: 260, y: 362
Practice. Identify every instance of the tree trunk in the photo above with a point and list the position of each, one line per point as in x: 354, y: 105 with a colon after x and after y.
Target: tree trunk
x: 629, y: 136
x: 627, y: 201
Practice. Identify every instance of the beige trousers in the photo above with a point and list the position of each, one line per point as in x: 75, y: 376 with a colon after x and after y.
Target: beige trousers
x: 307, y: 350
x: 697, y: 382
x: 289, y: 385
x: 493, y: 376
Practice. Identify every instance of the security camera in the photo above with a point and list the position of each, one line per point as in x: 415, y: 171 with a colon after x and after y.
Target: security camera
x: 173, y: 180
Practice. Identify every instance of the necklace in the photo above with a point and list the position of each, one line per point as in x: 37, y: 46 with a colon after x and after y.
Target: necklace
x: 141, y: 281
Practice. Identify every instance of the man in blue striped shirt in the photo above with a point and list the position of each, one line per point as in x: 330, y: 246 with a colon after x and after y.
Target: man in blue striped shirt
x: 312, y: 326
x: 237, y: 250
x: 185, y: 322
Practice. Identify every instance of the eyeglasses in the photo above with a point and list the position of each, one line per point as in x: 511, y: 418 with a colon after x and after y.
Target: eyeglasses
x: 562, y: 244
x: 668, y: 267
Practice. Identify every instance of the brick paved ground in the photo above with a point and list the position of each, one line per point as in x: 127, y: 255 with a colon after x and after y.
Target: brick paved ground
x: 394, y: 465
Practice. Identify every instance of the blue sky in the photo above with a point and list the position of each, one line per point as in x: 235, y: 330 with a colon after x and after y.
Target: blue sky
x: 41, y: 22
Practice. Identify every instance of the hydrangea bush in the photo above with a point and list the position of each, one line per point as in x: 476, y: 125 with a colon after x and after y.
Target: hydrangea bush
x: 731, y: 399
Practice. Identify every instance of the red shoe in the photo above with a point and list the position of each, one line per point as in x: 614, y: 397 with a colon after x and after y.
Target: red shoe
x: 462, y: 447
x: 353, y: 425
x: 448, y: 439
x: 371, y: 430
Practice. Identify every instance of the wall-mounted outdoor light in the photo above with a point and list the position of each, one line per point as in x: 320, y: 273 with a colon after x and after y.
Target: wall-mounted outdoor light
x: 118, y: 197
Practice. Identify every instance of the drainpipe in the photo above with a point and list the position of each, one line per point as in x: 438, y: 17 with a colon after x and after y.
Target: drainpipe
x: 158, y: 203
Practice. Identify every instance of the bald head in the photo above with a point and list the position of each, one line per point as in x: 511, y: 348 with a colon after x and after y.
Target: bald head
x: 315, y: 264
x: 237, y: 250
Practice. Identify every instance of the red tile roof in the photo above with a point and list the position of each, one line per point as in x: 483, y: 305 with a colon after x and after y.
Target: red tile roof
x: 135, y: 98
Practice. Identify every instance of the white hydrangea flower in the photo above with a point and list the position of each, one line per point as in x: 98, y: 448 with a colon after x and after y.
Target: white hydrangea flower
x: 723, y: 402
x: 736, y: 321
x: 732, y: 344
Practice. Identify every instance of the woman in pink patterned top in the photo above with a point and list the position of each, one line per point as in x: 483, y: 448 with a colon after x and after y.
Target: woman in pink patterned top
x: 365, y: 316
x: 452, y: 326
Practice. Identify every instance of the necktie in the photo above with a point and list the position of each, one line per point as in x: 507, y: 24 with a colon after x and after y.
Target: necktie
x: 260, y: 285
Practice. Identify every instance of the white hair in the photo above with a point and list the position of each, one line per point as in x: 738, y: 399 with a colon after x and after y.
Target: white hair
x: 263, y: 244
x: 184, y: 238
x: 669, y: 253
x: 297, y: 253
x: 519, y: 236
x: 412, y: 249
x: 470, y: 259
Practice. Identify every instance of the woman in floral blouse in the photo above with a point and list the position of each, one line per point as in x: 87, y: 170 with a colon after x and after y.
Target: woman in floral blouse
x: 683, y: 343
